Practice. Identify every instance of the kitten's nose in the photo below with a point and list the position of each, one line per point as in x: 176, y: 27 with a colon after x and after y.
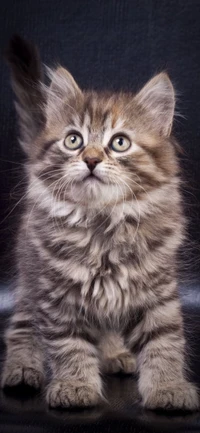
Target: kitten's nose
x: 92, y: 162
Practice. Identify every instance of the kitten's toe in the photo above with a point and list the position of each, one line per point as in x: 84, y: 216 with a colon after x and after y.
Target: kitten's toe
x: 66, y: 394
x: 16, y: 374
x: 124, y: 363
x: 12, y: 375
x: 172, y: 396
x: 32, y: 377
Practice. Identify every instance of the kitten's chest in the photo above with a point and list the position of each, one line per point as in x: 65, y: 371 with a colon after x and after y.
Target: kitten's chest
x: 96, y: 262
x: 107, y: 292
x: 107, y: 287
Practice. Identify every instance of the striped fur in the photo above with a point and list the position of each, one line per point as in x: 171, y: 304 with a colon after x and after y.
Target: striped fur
x: 97, y: 256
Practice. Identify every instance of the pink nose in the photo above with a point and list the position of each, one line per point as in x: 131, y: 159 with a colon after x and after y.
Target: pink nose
x: 92, y: 162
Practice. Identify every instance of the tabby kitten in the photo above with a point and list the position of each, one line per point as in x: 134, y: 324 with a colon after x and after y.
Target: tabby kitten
x: 97, y: 245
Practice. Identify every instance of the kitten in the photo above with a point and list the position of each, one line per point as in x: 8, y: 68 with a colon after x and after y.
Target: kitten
x: 98, y: 241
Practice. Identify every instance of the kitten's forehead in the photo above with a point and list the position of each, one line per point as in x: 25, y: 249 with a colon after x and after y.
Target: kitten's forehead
x: 101, y: 117
x: 103, y: 111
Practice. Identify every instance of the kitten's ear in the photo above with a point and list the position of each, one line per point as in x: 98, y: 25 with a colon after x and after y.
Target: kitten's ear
x: 26, y: 76
x: 62, y: 83
x: 157, y: 98
x: 63, y: 88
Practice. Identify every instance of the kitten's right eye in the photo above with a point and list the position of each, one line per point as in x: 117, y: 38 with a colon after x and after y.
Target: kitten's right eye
x: 73, y: 141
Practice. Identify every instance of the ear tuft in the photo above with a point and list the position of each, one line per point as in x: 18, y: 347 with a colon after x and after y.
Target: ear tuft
x: 157, y: 99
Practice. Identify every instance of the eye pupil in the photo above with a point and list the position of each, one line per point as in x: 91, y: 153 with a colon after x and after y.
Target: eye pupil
x: 120, y: 141
x: 73, y: 139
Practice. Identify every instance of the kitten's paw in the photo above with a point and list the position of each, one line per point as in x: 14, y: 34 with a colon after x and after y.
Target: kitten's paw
x: 16, y: 374
x: 69, y: 394
x: 124, y: 362
x: 172, y: 396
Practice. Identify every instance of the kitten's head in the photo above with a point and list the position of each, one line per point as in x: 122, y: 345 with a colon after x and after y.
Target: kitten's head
x: 89, y: 147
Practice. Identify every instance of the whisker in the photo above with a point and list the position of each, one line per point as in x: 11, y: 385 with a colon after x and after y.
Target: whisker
x: 30, y: 187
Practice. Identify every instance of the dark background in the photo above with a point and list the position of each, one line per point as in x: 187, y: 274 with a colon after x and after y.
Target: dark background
x: 115, y: 44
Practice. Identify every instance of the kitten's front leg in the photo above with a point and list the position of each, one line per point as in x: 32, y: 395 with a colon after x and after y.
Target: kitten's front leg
x: 161, y: 365
x: 75, y: 372
x: 24, y: 358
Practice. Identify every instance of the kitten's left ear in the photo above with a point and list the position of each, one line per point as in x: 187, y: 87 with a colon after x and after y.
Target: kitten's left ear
x: 157, y: 98
x: 62, y: 83
x: 62, y: 91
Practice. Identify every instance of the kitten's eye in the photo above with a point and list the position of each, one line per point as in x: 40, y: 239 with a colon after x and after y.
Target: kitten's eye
x: 120, y: 144
x: 73, y: 141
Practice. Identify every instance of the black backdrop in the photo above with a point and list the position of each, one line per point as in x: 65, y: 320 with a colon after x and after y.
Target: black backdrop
x: 105, y: 44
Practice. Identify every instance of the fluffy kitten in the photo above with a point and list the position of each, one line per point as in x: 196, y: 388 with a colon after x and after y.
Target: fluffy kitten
x: 97, y: 246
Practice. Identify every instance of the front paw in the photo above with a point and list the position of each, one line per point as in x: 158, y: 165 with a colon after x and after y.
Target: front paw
x: 15, y: 374
x: 123, y: 363
x: 171, y: 396
x: 71, y: 394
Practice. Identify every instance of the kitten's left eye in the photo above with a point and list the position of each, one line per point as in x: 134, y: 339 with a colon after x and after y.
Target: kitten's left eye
x: 120, y: 144
x: 73, y: 141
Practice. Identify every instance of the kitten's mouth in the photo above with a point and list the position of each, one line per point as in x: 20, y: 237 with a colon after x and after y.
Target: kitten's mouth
x: 93, y: 178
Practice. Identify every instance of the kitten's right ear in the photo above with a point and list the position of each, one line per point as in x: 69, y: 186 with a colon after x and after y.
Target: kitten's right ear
x: 26, y: 76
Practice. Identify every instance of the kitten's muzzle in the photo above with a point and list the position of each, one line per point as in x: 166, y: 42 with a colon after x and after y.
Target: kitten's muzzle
x: 92, y: 162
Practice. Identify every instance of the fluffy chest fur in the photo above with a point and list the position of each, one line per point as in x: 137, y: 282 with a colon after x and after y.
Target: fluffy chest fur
x: 91, y: 261
x: 102, y: 260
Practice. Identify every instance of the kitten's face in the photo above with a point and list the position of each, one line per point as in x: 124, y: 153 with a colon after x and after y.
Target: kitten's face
x: 91, y: 148
x: 99, y: 148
